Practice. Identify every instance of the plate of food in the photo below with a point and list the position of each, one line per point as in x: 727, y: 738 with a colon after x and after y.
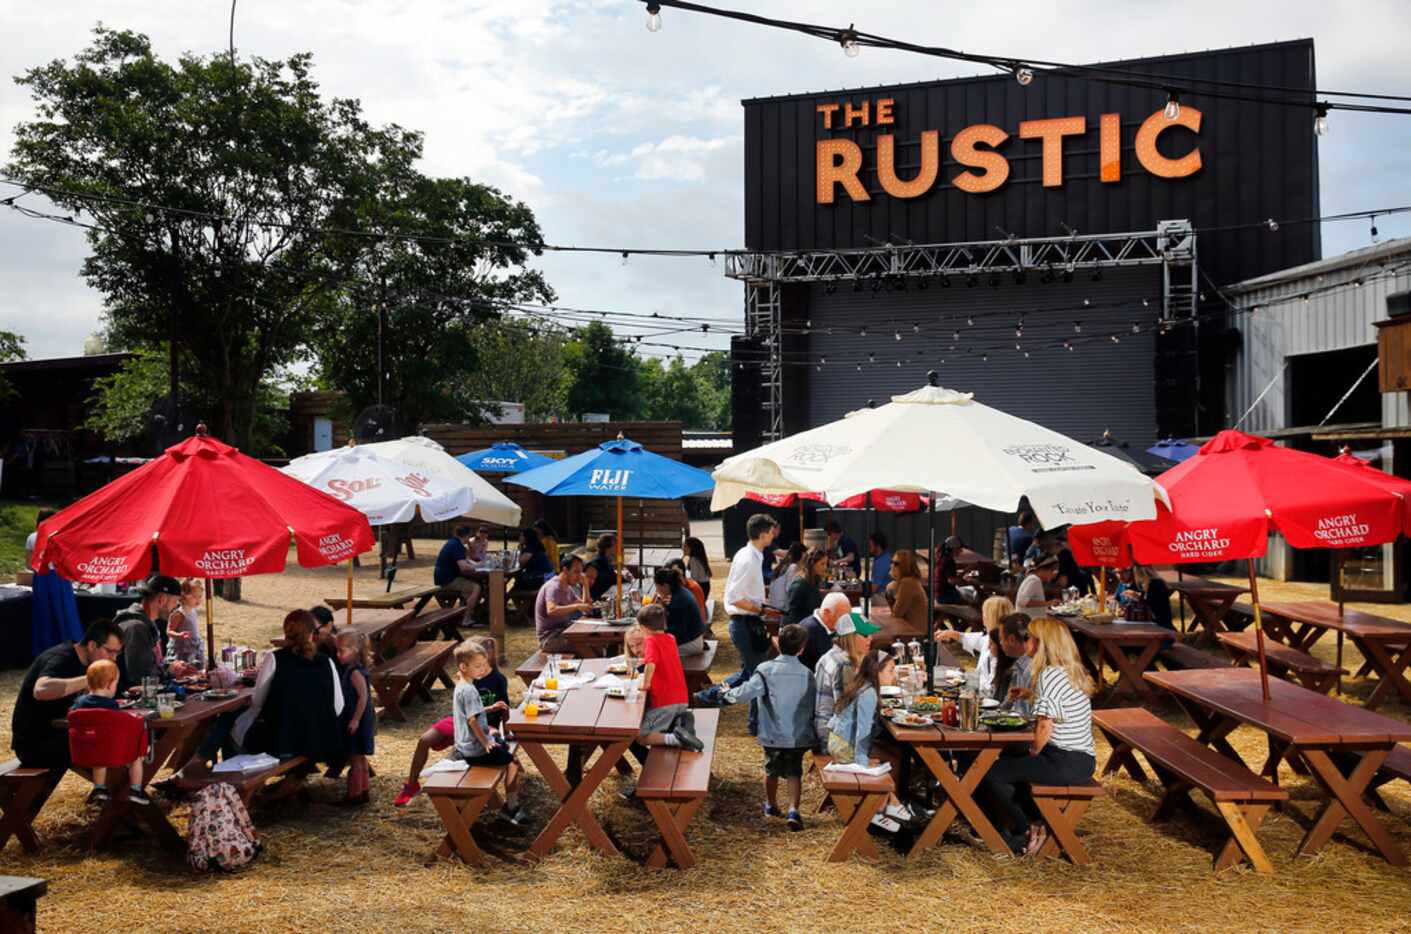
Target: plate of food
x: 618, y: 692
x: 551, y: 696
x: 617, y: 668
x: 926, y: 703
x: 568, y: 665
x: 891, y: 690
x: 989, y: 703
x: 546, y: 706
x: 893, y: 703
x: 217, y: 694
x: 903, y: 718
x: 1003, y: 721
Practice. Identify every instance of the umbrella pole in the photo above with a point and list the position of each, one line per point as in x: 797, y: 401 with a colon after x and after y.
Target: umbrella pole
x: 799, y: 499
x: 1258, y: 630
x: 641, y: 537
x: 867, y: 563
x: 931, y: 594
x: 1342, y: 564
x: 348, y: 607
x: 619, y: 554
x: 210, y: 626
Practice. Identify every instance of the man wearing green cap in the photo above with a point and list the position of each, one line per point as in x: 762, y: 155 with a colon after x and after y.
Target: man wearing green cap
x: 820, y: 625
x: 851, y: 636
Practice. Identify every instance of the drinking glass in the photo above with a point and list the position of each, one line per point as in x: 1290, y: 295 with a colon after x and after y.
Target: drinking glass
x: 166, y: 705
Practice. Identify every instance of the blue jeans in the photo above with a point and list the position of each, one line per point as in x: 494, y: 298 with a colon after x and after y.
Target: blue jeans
x: 741, y: 629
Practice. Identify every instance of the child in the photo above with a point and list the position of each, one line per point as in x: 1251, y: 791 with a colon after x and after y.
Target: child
x: 358, y: 717
x: 102, y: 683
x: 634, y: 642
x: 665, y: 684
x: 494, y: 696
x: 785, y: 719
x: 184, y: 642
x: 855, y: 719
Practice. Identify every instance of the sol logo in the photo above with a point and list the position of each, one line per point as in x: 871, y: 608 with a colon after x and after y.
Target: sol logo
x: 416, y: 483
x: 347, y: 489
x: 817, y: 453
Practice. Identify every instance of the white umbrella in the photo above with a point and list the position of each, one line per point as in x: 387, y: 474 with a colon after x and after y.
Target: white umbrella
x: 382, y: 489
x: 938, y: 439
x: 490, y: 505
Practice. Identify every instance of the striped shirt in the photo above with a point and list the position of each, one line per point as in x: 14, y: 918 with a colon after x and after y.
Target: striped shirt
x: 1069, y: 708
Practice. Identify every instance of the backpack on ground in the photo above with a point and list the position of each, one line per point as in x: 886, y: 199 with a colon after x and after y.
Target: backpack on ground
x: 221, y: 836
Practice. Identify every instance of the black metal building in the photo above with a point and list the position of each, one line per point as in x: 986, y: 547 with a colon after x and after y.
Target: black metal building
x: 867, y: 273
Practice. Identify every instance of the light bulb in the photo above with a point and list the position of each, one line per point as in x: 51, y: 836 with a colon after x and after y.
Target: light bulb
x: 897, y: 335
x: 955, y: 336
x: 1025, y: 76
x: 1320, y: 122
x: 1272, y: 224
x: 969, y: 322
x: 1067, y: 345
x: 1173, y: 106
x: 899, y: 364
x: 848, y: 40
x: 1077, y: 327
x: 1116, y: 339
x: 863, y: 332
x: 653, y: 17
x: 916, y: 329
x: 872, y: 358
x: 624, y: 257
x: 1136, y: 328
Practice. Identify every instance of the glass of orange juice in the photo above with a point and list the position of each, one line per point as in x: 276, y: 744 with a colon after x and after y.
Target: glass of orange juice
x: 551, y: 683
x: 531, y: 709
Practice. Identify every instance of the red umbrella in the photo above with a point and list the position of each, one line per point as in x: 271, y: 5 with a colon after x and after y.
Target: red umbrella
x: 204, y: 510
x: 1239, y: 488
x: 1381, y: 478
x: 882, y: 500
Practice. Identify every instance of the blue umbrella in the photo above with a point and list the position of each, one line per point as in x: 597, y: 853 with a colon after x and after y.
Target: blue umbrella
x: 503, y: 457
x: 617, y: 468
x: 1173, y: 450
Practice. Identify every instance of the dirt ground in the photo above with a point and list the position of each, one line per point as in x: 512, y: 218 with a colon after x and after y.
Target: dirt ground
x: 333, y: 869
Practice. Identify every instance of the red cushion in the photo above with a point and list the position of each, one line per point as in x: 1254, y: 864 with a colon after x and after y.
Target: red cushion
x: 105, y: 738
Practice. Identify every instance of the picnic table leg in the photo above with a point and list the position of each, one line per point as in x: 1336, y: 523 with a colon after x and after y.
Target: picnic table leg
x: 1243, y: 821
x: 1062, y: 819
x: 20, y: 809
x: 1213, y: 728
x: 672, y: 819
x: 859, y: 814
x: 168, y: 746
x: 389, y: 693
x: 1123, y: 756
x: 458, y: 821
x: 1129, y: 671
x: 574, y: 798
x: 959, y: 798
x: 1347, y: 802
x: 1391, y: 670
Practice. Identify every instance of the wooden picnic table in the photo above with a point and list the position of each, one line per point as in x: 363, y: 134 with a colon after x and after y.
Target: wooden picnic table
x: 592, y: 638
x: 1384, y: 643
x: 695, y: 667
x: 1324, y: 733
x: 1209, y: 602
x: 376, y: 625
x: 586, y: 720
x: 1109, y: 643
x: 395, y: 599
x: 928, y: 743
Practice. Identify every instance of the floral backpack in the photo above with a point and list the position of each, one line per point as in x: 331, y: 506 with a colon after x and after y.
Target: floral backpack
x: 221, y: 835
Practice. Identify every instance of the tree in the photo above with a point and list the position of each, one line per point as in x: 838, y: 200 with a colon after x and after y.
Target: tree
x: 604, y: 376
x: 11, y: 349
x: 673, y: 393
x: 241, y: 173
x: 712, y: 371
x: 520, y: 362
x: 427, y: 297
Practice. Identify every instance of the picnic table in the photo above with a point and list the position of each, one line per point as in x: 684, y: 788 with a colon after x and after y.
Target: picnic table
x: 695, y: 667
x: 1384, y: 643
x: 1324, y: 733
x: 586, y: 720
x: 1210, y: 601
x: 395, y: 599
x: 376, y: 625
x: 1110, y: 642
x: 928, y: 743
x: 959, y: 616
x: 593, y: 638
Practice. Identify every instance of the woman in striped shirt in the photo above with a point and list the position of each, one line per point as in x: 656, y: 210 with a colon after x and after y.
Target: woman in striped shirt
x: 1062, y: 752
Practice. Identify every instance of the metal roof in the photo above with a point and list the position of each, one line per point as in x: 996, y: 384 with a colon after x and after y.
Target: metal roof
x: 1367, y: 255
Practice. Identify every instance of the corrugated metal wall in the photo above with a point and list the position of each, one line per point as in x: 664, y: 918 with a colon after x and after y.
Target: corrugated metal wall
x: 1099, y: 385
x: 1284, y: 326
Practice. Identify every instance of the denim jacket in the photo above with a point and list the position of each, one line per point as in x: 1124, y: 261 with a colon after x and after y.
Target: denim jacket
x: 784, y: 688
x: 856, y: 723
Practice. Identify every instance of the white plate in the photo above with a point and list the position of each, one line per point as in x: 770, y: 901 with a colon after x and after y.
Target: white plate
x: 900, y: 719
x: 891, y: 690
x: 989, y: 702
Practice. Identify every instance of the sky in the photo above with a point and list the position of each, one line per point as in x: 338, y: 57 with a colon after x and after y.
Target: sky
x: 621, y: 137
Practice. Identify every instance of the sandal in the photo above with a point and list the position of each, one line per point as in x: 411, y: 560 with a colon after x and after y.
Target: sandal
x: 1037, y: 838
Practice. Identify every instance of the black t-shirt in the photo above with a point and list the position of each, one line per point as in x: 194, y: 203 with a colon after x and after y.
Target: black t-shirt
x: 607, y: 576
x: 683, y: 617
x: 32, y: 725
x: 493, y: 687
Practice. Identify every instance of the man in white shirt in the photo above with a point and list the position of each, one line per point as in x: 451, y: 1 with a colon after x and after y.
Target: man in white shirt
x: 1031, y: 599
x: 744, y: 602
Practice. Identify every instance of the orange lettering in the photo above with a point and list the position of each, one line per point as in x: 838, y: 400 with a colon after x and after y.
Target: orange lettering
x: 1110, y: 147
x: 849, y: 112
x: 827, y: 110
x: 839, y: 161
x: 1152, y: 160
x: 884, y: 111
x: 887, y: 167
x: 995, y: 166
x: 1052, y: 131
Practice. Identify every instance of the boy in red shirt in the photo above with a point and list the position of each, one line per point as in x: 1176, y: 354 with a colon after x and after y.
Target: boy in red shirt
x: 667, y: 721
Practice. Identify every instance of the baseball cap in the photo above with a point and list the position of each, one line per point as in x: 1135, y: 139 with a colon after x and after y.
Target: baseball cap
x: 160, y: 583
x: 856, y: 623
x: 1047, y: 561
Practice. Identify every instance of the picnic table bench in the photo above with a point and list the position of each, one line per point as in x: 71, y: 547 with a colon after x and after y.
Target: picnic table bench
x: 1178, y: 656
x: 459, y: 798
x: 395, y: 599
x: 22, y: 793
x: 857, y: 798
x: 1384, y: 643
x: 1241, y: 798
x: 292, y: 773
x: 19, y: 901
x: 673, y: 785
x: 1291, y: 664
x: 411, y: 672
x: 1397, y: 765
x: 1060, y: 808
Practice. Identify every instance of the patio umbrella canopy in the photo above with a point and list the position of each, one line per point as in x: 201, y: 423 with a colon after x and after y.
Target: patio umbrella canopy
x: 1381, y: 478
x: 1228, y: 498
x: 205, y: 510
x: 383, y: 490
x: 1173, y: 450
x: 619, y: 468
x: 503, y: 457
x: 489, y: 505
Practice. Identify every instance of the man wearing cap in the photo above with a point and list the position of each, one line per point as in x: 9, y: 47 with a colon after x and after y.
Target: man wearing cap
x: 1031, y: 599
x: 142, y: 625
x: 852, y: 634
x: 820, y: 626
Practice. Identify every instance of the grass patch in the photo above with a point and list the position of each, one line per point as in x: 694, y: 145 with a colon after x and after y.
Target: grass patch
x: 16, y: 522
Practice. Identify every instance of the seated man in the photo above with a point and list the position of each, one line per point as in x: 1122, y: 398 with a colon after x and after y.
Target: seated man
x: 881, y: 562
x: 56, y: 677
x: 143, y: 628
x: 842, y: 548
x: 559, y: 603
x: 454, y: 567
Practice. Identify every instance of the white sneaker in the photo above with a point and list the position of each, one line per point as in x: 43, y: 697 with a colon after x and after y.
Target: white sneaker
x: 899, y: 812
x: 886, y: 823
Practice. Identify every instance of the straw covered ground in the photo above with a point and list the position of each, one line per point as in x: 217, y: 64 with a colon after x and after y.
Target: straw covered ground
x: 329, y: 868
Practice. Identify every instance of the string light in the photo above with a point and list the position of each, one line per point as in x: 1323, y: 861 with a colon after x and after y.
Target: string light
x: 624, y: 257
x: 1320, y: 121
x: 969, y: 321
x: 1136, y: 328
x: 1173, y: 105
x: 1068, y: 345
x: 848, y: 40
x: 1025, y: 76
x: 1116, y: 339
x: 1077, y: 327
x: 1272, y: 224
x: 1374, y: 228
